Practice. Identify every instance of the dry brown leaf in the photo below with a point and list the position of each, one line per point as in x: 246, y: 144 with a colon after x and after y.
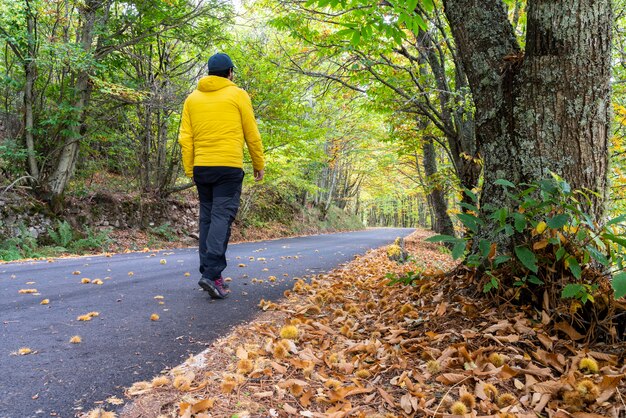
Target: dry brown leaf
x: 290, y: 409
x: 545, y: 340
x: 202, y: 405
x: 185, y: 410
x: 507, y: 372
x: 451, y: 378
x: 242, y: 354
x: 611, y: 358
x: 305, y: 400
x: 278, y: 367
x: 608, y: 387
x: 387, y: 397
x: 569, y: 330
x: 551, y: 359
x: 261, y: 395
x: 500, y: 326
x: 406, y: 404
x: 113, y: 400
x: 542, y: 401
x: 550, y: 387
x: 441, y: 309
x: 534, y: 370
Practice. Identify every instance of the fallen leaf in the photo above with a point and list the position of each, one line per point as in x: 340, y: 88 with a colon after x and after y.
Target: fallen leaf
x: 24, y: 351
x: 261, y: 395
x: 113, y: 400
x: 202, y: 405
x: 451, y: 378
x: 387, y: 397
x: 569, y: 330
x: 290, y: 409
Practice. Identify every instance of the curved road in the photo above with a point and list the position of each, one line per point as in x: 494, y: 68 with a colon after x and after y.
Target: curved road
x: 122, y: 345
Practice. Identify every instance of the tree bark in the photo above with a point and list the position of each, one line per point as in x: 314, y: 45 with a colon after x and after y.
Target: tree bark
x: 442, y: 223
x: 543, y: 111
x: 459, y: 123
x: 30, y: 74
x: 69, y: 153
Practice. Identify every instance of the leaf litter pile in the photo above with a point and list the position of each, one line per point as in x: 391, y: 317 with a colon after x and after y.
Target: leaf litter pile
x: 347, y: 344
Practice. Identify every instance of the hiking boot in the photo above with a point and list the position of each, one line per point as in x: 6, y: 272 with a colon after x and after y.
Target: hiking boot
x: 222, y: 282
x: 214, y: 287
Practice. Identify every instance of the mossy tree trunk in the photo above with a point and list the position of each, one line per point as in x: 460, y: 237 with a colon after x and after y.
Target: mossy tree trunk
x: 545, y: 109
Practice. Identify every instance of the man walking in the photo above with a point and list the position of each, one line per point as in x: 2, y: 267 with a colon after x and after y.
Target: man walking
x: 217, y: 119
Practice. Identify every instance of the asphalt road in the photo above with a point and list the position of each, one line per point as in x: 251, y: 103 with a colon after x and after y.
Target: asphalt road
x: 122, y: 344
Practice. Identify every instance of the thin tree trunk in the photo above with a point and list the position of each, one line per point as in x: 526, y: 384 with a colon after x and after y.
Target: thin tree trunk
x: 30, y: 74
x: 442, y: 223
x: 460, y: 129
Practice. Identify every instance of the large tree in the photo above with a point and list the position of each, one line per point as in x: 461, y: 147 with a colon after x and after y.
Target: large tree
x: 543, y: 109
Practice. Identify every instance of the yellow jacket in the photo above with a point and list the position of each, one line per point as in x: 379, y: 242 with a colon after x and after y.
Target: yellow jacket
x: 217, y: 119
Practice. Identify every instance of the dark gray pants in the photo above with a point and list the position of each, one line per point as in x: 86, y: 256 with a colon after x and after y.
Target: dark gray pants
x: 219, y: 190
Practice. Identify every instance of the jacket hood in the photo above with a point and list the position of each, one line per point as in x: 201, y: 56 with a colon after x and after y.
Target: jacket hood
x: 213, y: 83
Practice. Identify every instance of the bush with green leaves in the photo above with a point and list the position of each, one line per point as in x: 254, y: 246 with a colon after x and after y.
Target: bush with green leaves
x: 555, y: 244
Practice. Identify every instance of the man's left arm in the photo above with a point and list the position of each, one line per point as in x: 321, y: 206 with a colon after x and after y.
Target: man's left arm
x: 252, y: 136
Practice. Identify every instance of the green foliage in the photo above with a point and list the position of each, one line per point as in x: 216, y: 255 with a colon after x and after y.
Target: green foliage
x: 164, y: 231
x: 22, y: 245
x: 63, y: 235
x: 557, y: 243
x: 92, y: 240
x: 12, y: 157
x: 367, y: 19
x: 409, y: 279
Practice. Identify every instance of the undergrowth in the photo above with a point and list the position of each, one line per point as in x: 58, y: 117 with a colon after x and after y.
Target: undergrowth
x: 63, y: 239
x: 560, y: 261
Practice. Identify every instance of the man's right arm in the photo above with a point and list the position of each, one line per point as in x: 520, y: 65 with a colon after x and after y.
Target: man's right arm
x: 185, y: 139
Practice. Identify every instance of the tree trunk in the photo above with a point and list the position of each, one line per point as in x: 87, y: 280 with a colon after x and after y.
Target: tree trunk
x: 69, y: 153
x: 30, y: 74
x: 543, y: 111
x: 442, y: 224
x: 459, y: 123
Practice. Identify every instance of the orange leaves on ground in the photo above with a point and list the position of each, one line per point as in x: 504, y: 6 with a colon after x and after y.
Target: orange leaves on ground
x: 88, y: 316
x: 347, y: 341
x: 27, y: 291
